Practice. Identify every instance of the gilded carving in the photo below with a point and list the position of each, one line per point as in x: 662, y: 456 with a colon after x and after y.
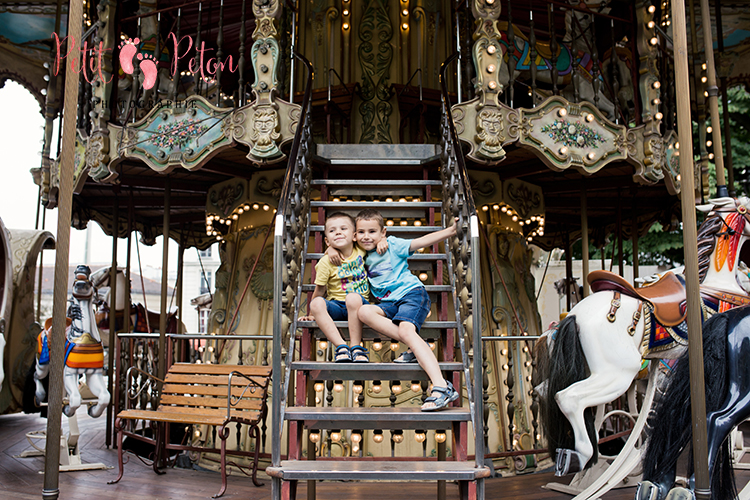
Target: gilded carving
x: 266, y: 8
x: 489, y: 129
x: 264, y: 131
x: 485, y: 128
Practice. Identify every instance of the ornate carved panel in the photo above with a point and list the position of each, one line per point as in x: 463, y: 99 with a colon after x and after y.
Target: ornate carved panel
x: 170, y: 137
x: 654, y: 157
x: 568, y: 135
x: 486, y: 129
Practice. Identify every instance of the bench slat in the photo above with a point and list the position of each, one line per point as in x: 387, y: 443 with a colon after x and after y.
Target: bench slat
x: 176, y: 417
x: 209, y: 402
x: 244, y: 415
x: 263, y: 371
x: 211, y: 390
x: 218, y: 379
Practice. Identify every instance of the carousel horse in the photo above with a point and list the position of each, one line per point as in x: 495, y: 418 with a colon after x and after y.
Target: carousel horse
x: 726, y: 347
x: 84, y: 354
x: 599, y: 347
x: 141, y: 320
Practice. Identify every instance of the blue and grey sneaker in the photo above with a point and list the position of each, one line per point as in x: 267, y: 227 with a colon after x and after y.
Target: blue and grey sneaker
x: 406, y: 357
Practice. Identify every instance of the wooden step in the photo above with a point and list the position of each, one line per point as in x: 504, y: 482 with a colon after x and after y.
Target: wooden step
x: 340, y: 470
x: 321, y: 370
x: 360, y: 182
x: 399, y: 417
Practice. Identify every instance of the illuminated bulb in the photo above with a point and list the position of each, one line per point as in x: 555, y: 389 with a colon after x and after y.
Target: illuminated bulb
x: 335, y: 436
x: 703, y: 66
x: 323, y: 345
x: 394, y: 346
x: 398, y: 437
x: 345, y: 12
x: 530, y: 238
x: 520, y: 223
x: 357, y: 388
x: 319, y: 386
x: 247, y: 207
x: 562, y: 112
x: 491, y: 49
x: 651, y: 9
x: 315, y: 437
x: 417, y: 222
x: 491, y: 68
x: 210, y: 348
x: 525, y: 349
x: 266, y: 208
x: 431, y: 345
x: 659, y: 116
x: 495, y: 207
x: 705, y: 94
x: 709, y: 144
x: 505, y: 367
x: 679, y: 177
x: 485, y: 208
x: 528, y: 221
x: 405, y: 26
x: 589, y: 118
x: 345, y: 26
x: 651, y: 25
x: 423, y: 276
x: 591, y: 155
x: 377, y: 436
x: 704, y: 79
x: 405, y: 12
x: 677, y: 145
x: 416, y: 386
x: 376, y: 387
x: 440, y: 436
x: 256, y: 206
x: 356, y: 437
x: 709, y: 129
x: 402, y: 200
x: 240, y: 210
x: 420, y: 436
x: 492, y: 85
x: 563, y: 150
x: 377, y: 345
x: 389, y: 200
x: 221, y: 221
x: 389, y: 223
x: 656, y: 101
x: 396, y: 388
x: 514, y: 218
x: 197, y: 433
x: 710, y: 156
x: 656, y: 85
x: 527, y: 364
x: 403, y: 222
x: 654, y: 41
x: 338, y: 385
x: 234, y: 216
x: 504, y: 209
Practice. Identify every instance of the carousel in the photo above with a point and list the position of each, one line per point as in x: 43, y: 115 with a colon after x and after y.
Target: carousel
x: 545, y: 125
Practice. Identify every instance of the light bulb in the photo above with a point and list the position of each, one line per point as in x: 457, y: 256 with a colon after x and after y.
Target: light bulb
x: 416, y: 386
x: 440, y: 436
x: 431, y: 345
x: 319, y: 386
x: 355, y: 448
x: 322, y: 345
x: 376, y: 387
x: 266, y: 208
x: 396, y: 388
x: 377, y: 345
x: 315, y: 437
x: 335, y: 436
x: 357, y: 388
x: 423, y: 276
x: 394, y: 346
x: 256, y: 206
x: 419, y: 436
x: 709, y: 129
x: 397, y: 437
x: 356, y: 437
x: 377, y: 436
x: 338, y: 385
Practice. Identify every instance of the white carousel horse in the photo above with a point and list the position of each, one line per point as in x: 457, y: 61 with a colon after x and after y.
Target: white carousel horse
x: 599, y: 346
x: 84, y: 354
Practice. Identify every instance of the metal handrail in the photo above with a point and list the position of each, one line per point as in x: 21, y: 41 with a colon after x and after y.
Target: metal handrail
x: 463, y: 173
x: 285, y: 201
x: 406, y: 85
x: 333, y: 70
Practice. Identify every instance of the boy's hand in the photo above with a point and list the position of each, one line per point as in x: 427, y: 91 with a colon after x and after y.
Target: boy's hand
x: 382, y: 246
x: 306, y: 318
x: 334, y: 256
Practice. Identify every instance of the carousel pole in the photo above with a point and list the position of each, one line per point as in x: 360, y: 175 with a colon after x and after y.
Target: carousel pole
x: 725, y: 102
x: 713, y: 100
x: 584, y: 240
x: 50, y: 489
x: 690, y: 237
x: 113, y: 312
x: 164, y: 274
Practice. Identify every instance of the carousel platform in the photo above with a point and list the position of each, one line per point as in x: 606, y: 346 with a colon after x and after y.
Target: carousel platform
x: 20, y: 478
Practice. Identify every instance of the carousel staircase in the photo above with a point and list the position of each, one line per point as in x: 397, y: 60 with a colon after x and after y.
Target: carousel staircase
x: 402, y: 182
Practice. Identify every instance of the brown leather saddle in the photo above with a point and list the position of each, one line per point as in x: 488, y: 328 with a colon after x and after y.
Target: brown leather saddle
x: 666, y: 295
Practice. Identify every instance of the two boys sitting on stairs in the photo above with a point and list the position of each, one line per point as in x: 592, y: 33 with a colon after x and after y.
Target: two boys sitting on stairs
x: 348, y: 273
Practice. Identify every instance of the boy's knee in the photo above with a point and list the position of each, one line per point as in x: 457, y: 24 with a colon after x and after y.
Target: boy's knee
x: 353, y: 301
x: 318, y: 304
x: 365, y: 312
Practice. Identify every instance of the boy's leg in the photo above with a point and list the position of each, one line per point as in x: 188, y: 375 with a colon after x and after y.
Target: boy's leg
x: 319, y: 311
x: 427, y: 360
x: 353, y: 304
x: 374, y: 317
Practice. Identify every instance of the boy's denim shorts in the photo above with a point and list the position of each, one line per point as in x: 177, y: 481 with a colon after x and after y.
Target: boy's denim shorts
x: 337, y: 309
x: 412, y: 307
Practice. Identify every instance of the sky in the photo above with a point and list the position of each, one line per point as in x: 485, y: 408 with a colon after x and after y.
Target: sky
x: 21, y: 132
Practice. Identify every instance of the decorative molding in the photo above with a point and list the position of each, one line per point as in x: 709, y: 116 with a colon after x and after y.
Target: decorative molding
x: 376, y: 71
x: 568, y: 135
x: 655, y: 158
x: 486, y: 129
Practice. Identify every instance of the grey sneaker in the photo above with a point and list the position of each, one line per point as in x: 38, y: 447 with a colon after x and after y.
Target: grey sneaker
x: 406, y: 357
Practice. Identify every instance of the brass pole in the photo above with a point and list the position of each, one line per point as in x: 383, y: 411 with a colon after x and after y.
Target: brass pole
x: 164, y: 276
x: 112, y: 314
x: 690, y: 238
x: 725, y: 103
x: 713, y: 101
x: 50, y: 490
x: 584, y: 240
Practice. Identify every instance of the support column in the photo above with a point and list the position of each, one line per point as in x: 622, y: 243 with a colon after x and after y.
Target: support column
x: 50, y: 489
x: 112, y: 312
x: 164, y: 284
x: 620, y: 264
x: 634, y: 238
x: 690, y: 237
x: 584, y: 239
x: 713, y: 101
x: 568, y: 268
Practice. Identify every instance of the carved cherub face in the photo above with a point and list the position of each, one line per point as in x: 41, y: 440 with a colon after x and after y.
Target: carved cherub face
x: 264, y: 130
x: 489, y: 127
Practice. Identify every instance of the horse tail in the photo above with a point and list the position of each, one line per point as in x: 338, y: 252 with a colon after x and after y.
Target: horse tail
x: 567, y: 365
x: 671, y: 420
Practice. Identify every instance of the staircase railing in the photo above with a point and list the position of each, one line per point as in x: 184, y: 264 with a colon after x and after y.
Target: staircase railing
x: 291, y: 232
x: 463, y: 260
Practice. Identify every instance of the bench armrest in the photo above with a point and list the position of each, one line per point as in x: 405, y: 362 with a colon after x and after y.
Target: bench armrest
x: 148, y: 382
x: 252, y: 386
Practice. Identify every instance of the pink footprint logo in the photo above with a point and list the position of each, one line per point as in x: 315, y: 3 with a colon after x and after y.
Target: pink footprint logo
x: 128, y: 50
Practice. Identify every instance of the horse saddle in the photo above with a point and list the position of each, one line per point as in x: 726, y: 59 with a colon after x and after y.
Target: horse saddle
x: 667, y: 295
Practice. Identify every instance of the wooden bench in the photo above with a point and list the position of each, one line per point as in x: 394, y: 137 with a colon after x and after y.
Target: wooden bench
x: 198, y: 394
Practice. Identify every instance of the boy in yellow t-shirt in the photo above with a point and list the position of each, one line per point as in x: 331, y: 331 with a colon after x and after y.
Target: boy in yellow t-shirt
x: 341, y: 290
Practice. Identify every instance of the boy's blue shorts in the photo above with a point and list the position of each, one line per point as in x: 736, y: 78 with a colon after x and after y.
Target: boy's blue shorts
x: 412, y: 307
x: 337, y: 309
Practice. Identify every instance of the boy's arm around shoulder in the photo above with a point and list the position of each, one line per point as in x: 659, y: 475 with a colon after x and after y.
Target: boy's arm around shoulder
x: 430, y: 239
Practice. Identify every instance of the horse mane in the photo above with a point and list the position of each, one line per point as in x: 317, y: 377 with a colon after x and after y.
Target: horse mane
x: 707, y: 236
